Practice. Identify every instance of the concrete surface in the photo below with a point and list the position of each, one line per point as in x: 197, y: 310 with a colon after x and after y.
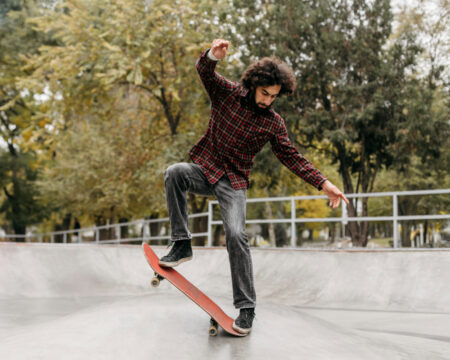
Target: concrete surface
x: 95, y: 302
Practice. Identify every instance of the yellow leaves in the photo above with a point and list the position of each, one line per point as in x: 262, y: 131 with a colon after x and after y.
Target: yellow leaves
x: 313, y: 208
x: 43, y: 122
x: 8, y: 105
x: 111, y: 76
x: 165, y: 8
x: 110, y: 135
x: 135, y: 76
x: 138, y: 76
x: 145, y: 54
x: 27, y: 134
x: 34, y: 165
x: 193, y: 48
x: 174, y: 95
x: 157, y: 93
x: 106, y: 33
x: 110, y: 47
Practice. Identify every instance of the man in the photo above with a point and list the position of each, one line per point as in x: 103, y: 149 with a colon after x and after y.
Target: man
x: 242, y: 121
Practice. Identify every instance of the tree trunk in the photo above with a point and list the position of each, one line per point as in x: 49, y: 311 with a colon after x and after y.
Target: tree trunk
x: 76, y: 226
x: 65, y: 225
x: 332, y: 228
x: 352, y: 227
x: 123, y: 229
x: 18, y: 225
x: 103, y: 233
x: 216, y: 236
x: 365, y: 224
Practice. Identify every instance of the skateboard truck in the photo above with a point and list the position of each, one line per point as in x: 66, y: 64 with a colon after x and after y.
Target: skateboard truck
x: 156, y: 280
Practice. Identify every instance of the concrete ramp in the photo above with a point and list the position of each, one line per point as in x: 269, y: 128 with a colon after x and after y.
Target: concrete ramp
x: 95, y: 302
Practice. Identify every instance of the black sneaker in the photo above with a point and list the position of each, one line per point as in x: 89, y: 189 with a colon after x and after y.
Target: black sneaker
x: 181, y: 251
x: 244, y: 321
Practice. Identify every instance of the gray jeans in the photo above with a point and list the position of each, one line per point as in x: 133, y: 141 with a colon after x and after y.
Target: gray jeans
x: 183, y: 177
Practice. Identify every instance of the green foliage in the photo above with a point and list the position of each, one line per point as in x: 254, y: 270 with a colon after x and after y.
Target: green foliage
x: 98, y: 97
x: 122, y: 98
x: 358, y: 99
x: 20, y: 204
x: 18, y: 162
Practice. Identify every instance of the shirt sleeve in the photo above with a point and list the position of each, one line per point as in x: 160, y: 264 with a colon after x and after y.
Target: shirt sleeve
x: 211, y: 56
x: 215, y: 84
x: 293, y: 160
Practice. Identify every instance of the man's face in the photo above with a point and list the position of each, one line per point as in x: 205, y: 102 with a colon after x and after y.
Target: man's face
x: 266, y: 95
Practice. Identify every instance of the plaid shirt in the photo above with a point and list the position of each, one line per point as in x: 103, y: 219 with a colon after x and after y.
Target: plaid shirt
x: 236, y: 133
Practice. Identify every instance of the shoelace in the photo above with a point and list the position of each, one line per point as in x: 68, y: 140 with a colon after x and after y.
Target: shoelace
x: 171, y: 243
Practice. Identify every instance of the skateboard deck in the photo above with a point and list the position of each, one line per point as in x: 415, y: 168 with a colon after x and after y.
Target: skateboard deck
x: 218, y: 316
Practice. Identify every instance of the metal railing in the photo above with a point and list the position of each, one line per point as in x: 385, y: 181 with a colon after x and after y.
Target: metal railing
x: 80, y: 234
x: 293, y: 220
x: 144, y: 224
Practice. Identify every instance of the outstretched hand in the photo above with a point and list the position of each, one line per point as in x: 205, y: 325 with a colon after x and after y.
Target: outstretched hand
x: 219, y: 48
x: 334, y: 194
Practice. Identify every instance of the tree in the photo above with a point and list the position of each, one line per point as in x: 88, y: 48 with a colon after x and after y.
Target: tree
x: 17, y: 179
x: 429, y: 21
x: 356, y: 95
x: 122, y: 98
x: 18, y: 163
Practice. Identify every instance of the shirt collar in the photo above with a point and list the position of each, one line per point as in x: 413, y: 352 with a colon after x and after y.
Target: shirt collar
x: 243, y: 92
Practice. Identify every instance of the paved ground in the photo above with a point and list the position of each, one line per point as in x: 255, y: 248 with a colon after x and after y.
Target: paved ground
x: 94, y: 302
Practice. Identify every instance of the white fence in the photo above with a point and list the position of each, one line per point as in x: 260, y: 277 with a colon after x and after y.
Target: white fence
x: 144, y: 225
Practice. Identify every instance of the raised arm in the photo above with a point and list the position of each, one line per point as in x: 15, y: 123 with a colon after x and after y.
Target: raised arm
x: 215, y: 84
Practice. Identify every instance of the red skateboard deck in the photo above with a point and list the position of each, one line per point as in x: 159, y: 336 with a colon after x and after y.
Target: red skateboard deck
x: 217, y: 315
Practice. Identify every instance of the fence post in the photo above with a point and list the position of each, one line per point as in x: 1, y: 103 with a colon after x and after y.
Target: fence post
x: 395, y: 215
x: 118, y: 233
x: 344, y: 216
x: 293, y: 217
x: 145, y: 231
x: 210, y: 219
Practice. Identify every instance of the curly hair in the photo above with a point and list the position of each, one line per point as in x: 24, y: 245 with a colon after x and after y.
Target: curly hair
x: 269, y: 71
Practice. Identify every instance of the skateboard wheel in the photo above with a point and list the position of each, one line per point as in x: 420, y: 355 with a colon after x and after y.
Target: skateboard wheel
x: 155, y: 282
x: 213, y: 327
x: 213, y: 331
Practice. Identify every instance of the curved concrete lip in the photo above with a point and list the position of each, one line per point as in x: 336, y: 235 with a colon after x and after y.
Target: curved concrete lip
x: 139, y: 322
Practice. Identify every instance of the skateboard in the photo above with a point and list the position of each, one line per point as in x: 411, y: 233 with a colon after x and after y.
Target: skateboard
x: 218, y: 316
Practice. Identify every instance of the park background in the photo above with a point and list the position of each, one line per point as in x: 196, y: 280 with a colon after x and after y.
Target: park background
x: 97, y: 98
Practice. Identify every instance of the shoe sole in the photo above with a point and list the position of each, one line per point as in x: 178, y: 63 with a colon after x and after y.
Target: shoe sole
x: 174, y: 263
x: 241, y: 330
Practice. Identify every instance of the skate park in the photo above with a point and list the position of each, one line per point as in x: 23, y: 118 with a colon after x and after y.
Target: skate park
x: 317, y: 133
x: 78, y: 301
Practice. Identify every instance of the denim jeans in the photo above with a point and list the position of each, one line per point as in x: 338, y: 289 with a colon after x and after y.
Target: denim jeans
x: 183, y: 177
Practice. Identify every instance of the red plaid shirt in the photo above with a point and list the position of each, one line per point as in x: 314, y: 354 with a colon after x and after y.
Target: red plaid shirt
x: 236, y: 133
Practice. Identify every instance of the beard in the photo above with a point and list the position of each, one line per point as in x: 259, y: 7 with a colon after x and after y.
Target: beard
x: 254, y: 106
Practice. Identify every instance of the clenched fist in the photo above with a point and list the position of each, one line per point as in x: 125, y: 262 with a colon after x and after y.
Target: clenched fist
x: 219, y: 48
